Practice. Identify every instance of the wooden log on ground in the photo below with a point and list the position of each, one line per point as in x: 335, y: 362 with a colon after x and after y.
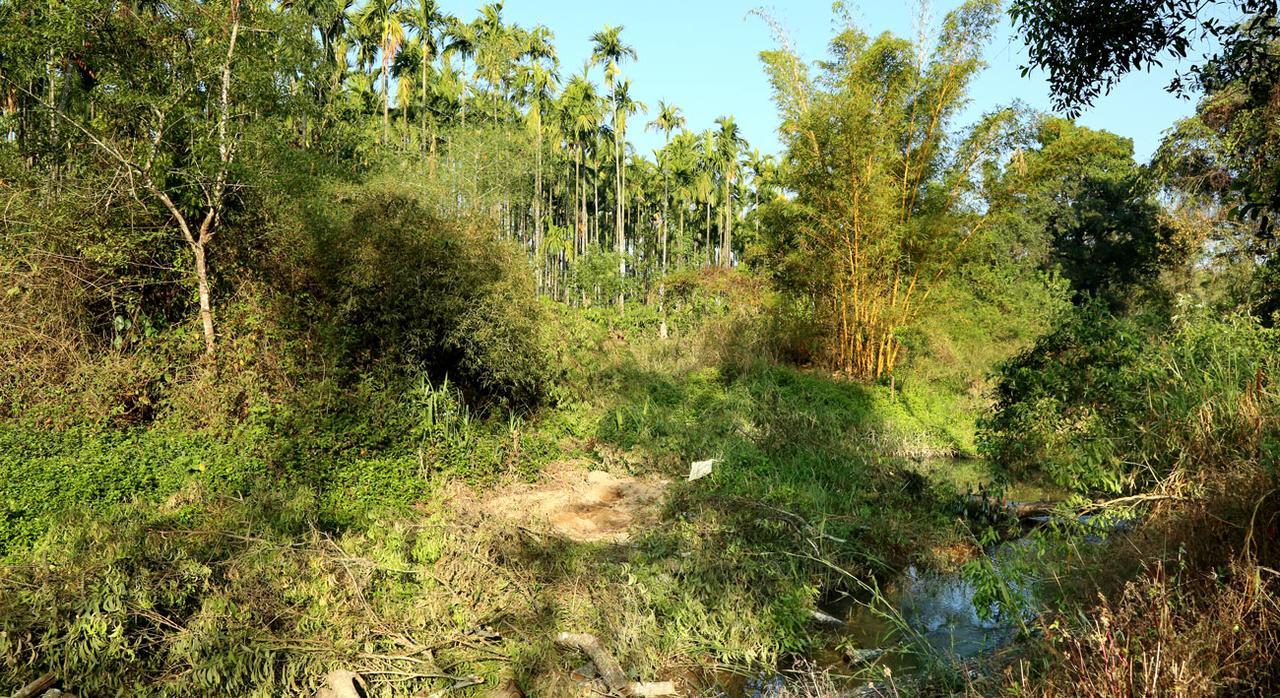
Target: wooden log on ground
x: 341, y: 683
x: 36, y: 688
x: 611, y: 671
x: 609, y: 668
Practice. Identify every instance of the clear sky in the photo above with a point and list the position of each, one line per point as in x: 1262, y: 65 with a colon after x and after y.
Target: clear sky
x: 703, y: 56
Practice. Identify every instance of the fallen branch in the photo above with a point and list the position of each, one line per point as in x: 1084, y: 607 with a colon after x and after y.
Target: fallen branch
x: 1131, y: 501
x: 611, y: 671
x: 37, y: 687
x: 609, y: 668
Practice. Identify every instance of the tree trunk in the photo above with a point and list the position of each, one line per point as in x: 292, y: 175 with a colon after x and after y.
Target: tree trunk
x: 537, y: 215
x: 726, y: 233
x: 386, y: 98
x: 681, y: 258
x: 423, y: 115
x: 578, y: 207
x: 666, y: 214
x: 620, y: 221
x: 706, y: 239
x: 202, y: 289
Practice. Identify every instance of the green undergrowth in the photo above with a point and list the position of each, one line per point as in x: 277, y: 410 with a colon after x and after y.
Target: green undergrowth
x: 339, y: 528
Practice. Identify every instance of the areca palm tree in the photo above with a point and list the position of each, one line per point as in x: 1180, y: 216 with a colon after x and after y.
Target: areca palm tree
x: 682, y: 160
x: 449, y: 83
x: 764, y: 173
x: 540, y: 45
x: 361, y: 92
x: 330, y: 19
x: 539, y: 80
x: 706, y: 186
x: 579, y: 115
x: 624, y: 108
x: 728, y: 144
x: 405, y: 71
x: 383, y: 19
x: 609, y: 50
x: 497, y: 47
x: 427, y: 21
x: 365, y: 43
x: 669, y: 120
x: 461, y: 43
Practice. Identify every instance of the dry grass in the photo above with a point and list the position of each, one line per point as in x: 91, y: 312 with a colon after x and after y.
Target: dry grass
x: 1201, y: 618
x: 1168, y: 636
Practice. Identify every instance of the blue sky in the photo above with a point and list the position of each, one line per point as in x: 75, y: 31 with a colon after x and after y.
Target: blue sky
x: 703, y: 56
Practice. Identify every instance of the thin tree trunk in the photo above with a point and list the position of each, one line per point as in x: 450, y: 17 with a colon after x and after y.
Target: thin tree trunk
x: 211, y: 219
x: 386, y: 99
x: 619, y: 194
x: 537, y: 213
x: 422, y: 118
x: 680, y: 232
x: 666, y: 214
x: 206, y: 302
x: 706, y: 240
x: 578, y: 184
x: 726, y: 233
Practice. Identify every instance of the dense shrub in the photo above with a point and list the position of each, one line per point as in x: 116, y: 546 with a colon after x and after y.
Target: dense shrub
x: 396, y: 281
x: 97, y: 325
x: 1109, y: 403
x: 78, y: 279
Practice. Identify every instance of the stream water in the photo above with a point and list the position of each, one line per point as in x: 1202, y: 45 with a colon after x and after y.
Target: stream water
x: 921, y: 614
x: 929, y: 612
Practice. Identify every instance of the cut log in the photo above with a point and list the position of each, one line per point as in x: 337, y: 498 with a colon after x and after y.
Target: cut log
x: 343, y: 684
x: 36, y: 688
x: 609, y: 668
x: 611, y: 671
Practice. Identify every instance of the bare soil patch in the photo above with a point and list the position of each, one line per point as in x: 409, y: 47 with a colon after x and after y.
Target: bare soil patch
x: 573, y: 501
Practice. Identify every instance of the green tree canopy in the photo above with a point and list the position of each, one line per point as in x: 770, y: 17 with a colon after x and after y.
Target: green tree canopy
x: 1096, y: 208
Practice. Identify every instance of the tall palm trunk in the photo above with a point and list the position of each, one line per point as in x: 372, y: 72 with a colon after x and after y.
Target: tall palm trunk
x: 422, y: 117
x: 706, y: 239
x: 726, y: 230
x: 386, y: 98
x: 537, y: 213
x: 620, y: 215
x: 681, y: 258
x: 579, y: 204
